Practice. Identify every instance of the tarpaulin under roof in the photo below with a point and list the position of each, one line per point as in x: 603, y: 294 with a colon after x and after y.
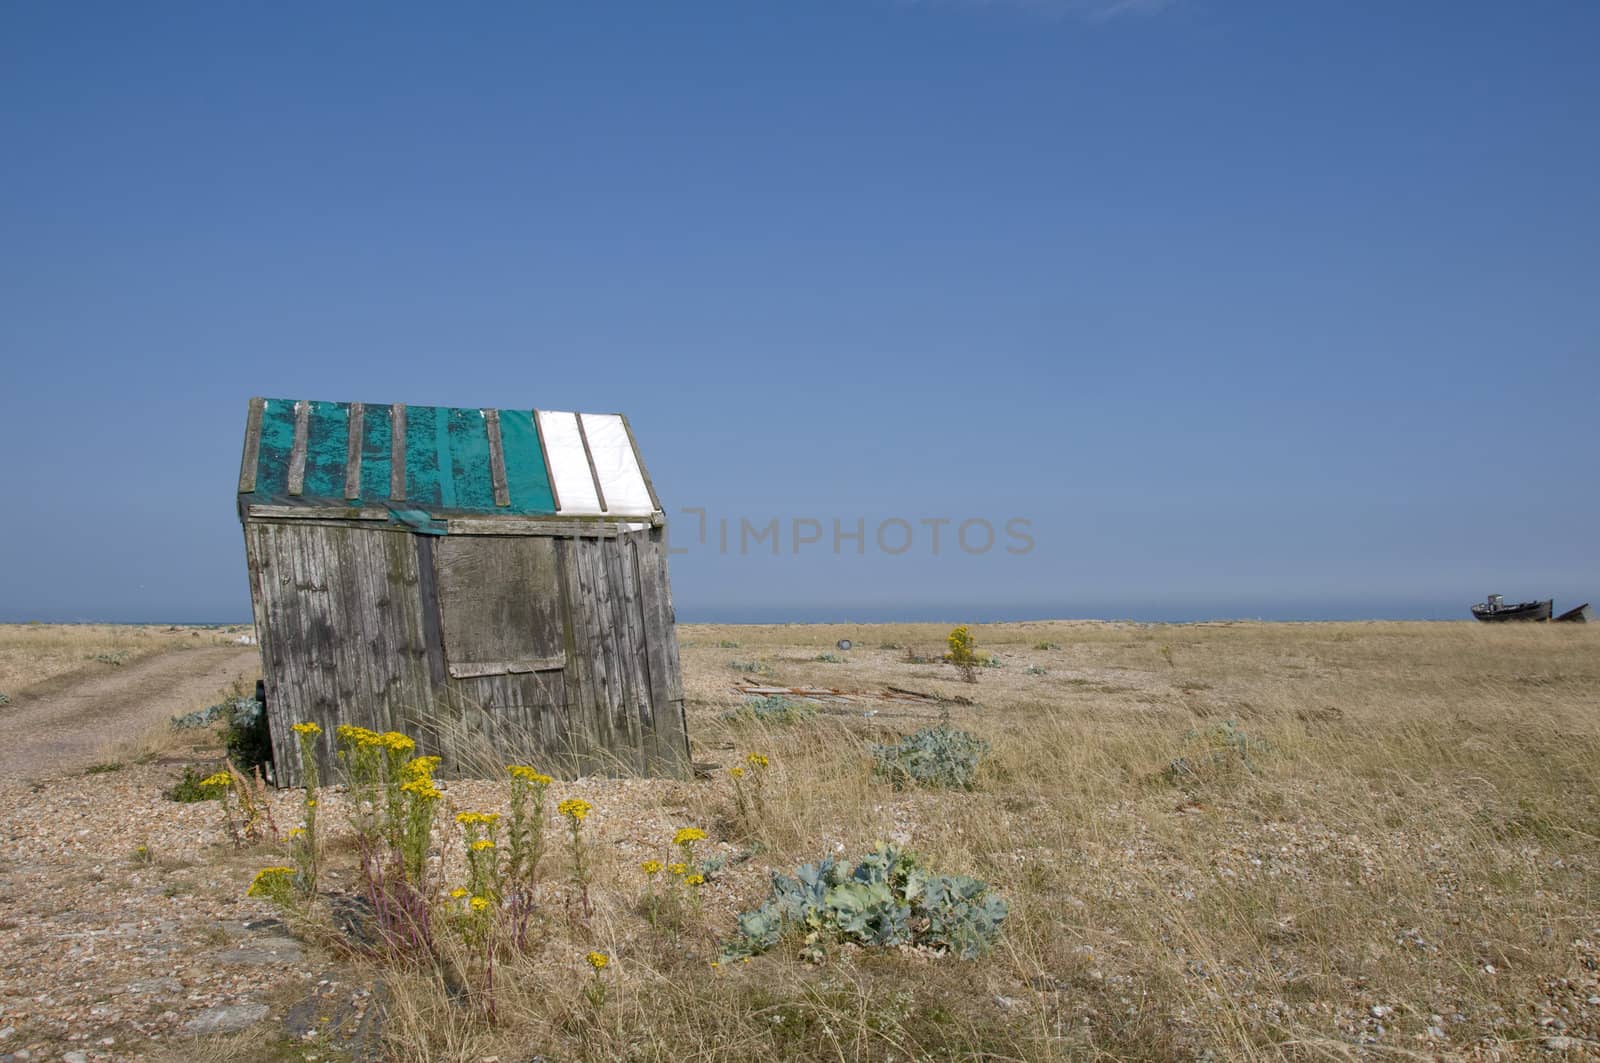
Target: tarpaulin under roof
x: 439, y: 461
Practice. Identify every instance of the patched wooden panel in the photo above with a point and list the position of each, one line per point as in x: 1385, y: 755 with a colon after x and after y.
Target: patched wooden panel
x: 499, y: 599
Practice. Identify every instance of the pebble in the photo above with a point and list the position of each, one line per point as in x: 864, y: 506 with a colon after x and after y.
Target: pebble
x: 228, y: 1018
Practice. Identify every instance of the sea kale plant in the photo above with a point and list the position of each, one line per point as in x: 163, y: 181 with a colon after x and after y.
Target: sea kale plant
x: 939, y: 757
x: 885, y: 901
x: 774, y: 709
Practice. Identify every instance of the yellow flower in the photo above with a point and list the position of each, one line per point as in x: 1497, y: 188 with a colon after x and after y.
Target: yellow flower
x: 737, y: 773
x: 481, y: 844
x: 311, y: 803
x: 421, y: 787
x: 221, y: 778
x: 396, y: 741
x: 689, y: 835
x: 358, y: 736
x: 458, y: 893
x: 487, y: 819
x: 419, y: 767
x: 757, y: 760
x: 306, y: 729
x: 297, y: 832
x: 269, y: 879
x: 598, y: 960
x: 479, y: 903
x: 677, y: 869
x: 527, y: 774
x: 651, y: 867
x: 693, y: 880
x: 574, y: 808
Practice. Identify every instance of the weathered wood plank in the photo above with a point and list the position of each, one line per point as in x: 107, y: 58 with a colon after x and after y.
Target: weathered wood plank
x: 668, y: 738
x: 497, y: 458
x: 629, y: 725
x: 606, y: 700
x: 563, y: 529
x: 397, y: 452
x: 549, y: 474
x: 297, y: 453
x: 478, y: 669
x: 316, y: 512
x: 252, y: 447
x: 594, y: 473
x: 649, y: 485
x: 432, y: 620
x: 578, y: 705
x: 352, y: 450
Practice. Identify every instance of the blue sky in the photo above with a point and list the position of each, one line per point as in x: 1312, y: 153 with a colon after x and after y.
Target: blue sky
x: 1248, y: 308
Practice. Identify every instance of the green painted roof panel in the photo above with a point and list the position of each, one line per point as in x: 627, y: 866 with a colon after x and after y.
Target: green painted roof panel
x: 448, y: 453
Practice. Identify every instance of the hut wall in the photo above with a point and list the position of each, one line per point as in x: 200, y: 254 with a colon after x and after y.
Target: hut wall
x: 488, y: 649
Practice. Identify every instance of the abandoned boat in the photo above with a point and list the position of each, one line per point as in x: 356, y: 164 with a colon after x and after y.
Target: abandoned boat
x: 1496, y: 609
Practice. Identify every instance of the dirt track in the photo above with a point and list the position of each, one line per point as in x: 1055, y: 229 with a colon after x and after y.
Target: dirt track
x: 72, y: 728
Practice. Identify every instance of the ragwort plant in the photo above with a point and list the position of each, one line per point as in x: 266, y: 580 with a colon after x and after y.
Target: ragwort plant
x: 749, y: 793
x: 414, y: 913
x: 574, y: 810
x: 961, y: 653
x: 304, y: 842
x: 393, y: 799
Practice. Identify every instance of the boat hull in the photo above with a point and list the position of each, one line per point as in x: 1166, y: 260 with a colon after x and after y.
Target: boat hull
x: 1520, y: 611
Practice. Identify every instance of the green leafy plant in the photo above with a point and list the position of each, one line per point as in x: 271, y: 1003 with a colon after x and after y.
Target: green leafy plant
x: 744, y: 666
x: 245, y: 733
x: 115, y: 659
x: 829, y: 658
x: 728, y: 644
x: 188, y: 789
x: 886, y: 900
x: 1217, y: 751
x: 772, y: 709
x: 1034, y: 669
x: 941, y: 756
x: 1047, y: 645
x: 5, y: 699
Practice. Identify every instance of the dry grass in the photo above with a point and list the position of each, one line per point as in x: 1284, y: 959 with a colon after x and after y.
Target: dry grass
x: 1407, y: 864
x: 44, y: 655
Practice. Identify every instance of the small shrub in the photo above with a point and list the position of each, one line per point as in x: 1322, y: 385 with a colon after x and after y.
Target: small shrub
x: 245, y: 734
x: 939, y: 756
x: 1034, y: 669
x: 728, y: 644
x: 744, y: 666
x: 103, y: 769
x: 774, y: 709
x: 885, y: 901
x: 5, y: 699
x: 1216, y: 751
x: 1046, y: 645
x: 829, y: 658
x: 188, y: 789
x: 115, y: 659
x: 962, y: 654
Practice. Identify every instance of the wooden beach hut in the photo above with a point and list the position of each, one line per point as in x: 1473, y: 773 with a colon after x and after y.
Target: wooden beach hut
x: 491, y: 582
